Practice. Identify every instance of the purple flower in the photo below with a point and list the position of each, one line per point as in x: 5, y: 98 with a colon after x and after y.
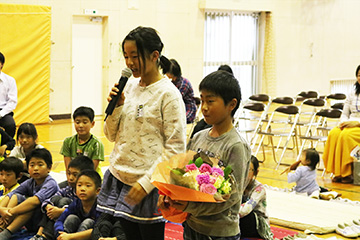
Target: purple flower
x: 217, y: 171
x: 191, y: 167
x: 208, y: 188
x: 203, y: 179
x: 205, y: 168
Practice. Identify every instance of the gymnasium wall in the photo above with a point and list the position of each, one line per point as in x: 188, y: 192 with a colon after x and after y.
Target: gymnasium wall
x: 316, y: 40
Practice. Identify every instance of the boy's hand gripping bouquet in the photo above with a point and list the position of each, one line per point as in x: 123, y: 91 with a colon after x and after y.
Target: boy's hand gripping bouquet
x: 193, y: 177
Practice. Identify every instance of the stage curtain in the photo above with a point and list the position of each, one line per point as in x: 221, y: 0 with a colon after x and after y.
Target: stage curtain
x: 25, y: 40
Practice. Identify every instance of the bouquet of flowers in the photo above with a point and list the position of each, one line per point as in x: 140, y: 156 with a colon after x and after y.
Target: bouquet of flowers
x: 194, y: 177
x: 202, y: 175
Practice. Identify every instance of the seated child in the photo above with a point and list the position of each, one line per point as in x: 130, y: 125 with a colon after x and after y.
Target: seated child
x: 26, y: 136
x: 10, y: 172
x: 77, y: 221
x: 7, y: 143
x: 254, y: 221
x: 24, y: 202
x: 57, y: 204
x: 83, y: 143
x: 305, y: 176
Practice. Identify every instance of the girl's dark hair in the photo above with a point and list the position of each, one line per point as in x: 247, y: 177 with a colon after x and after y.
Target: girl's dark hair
x: 357, y: 85
x: 92, y: 174
x: 2, y: 58
x: 255, y: 163
x: 12, y: 164
x: 313, y: 156
x: 224, y: 85
x: 28, y: 129
x: 226, y: 68
x: 147, y: 41
x: 175, y: 69
x: 40, y: 153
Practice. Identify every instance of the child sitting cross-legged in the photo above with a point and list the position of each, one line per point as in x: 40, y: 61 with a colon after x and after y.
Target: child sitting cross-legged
x: 56, y: 205
x: 24, y: 202
x: 305, y: 176
x: 77, y: 221
x: 10, y: 172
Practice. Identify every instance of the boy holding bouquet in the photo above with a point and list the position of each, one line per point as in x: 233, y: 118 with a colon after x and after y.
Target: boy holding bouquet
x: 220, y: 97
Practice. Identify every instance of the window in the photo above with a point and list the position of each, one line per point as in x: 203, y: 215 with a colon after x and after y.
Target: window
x: 232, y: 38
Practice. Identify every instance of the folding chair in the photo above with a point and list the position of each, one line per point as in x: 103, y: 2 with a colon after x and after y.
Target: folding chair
x: 281, y: 124
x: 305, y: 95
x: 329, y: 118
x: 248, y: 117
x: 336, y: 100
x: 308, y: 110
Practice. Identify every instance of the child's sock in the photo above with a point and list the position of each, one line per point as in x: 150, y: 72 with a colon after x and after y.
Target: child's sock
x: 6, y: 234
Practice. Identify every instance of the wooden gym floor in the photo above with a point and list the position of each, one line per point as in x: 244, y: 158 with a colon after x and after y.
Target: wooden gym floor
x: 51, y: 136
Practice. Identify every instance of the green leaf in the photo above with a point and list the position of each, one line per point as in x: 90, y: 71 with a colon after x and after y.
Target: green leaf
x: 227, y: 171
x: 178, y: 171
x: 199, y: 162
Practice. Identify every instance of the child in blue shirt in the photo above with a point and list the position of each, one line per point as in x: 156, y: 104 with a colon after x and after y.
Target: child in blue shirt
x: 24, y: 203
x: 10, y: 173
x: 56, y: 205
x: 305, y: 175
x: 77, y: 221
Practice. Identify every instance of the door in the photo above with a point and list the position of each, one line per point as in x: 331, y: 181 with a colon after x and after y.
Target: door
x: 87, y: 58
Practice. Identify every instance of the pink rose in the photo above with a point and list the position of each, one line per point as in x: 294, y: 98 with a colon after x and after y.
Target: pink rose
x: 208, y: 188
x: 205, y: 168
x: 190, y: 167
x: 212, y: 180
x: 217, y: 172
x: 203, y: 179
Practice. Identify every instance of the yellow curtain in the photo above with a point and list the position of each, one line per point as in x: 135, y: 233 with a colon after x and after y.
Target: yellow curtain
x: 268, y: 83
x: 25, y: 40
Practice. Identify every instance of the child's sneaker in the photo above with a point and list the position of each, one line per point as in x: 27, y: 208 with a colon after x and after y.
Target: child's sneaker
x: 345, y: 231
x: 37, y: 237
x: 328, y: 195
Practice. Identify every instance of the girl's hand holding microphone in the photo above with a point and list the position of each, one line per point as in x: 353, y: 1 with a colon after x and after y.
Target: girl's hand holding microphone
x: 114, y: 92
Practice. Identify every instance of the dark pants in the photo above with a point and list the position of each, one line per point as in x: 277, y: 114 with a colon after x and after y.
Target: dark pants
x: 108, y: 226
x: 132, y: 230
x: 190, y: 234
x: 46, y: 222
x: 8, y: 123
x: 248, y: 226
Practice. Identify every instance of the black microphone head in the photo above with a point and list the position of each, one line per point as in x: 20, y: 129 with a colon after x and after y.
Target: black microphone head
x: 126, y: 72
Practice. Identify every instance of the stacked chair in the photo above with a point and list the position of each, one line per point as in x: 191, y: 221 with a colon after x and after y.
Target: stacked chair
x: 278, y: 124
x: 296, y: 123
x: 250, y: 114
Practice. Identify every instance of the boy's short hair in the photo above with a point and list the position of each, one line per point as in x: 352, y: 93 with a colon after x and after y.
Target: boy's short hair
x: 41, y: 153
x: 12, y: 164
x: 92, y: 174
x: 224, y: 85
x: 81, y: 163
x: 226, y: 68
x: 84, y: 112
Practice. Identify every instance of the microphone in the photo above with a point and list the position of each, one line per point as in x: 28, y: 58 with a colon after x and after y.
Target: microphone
x: 125, y: 74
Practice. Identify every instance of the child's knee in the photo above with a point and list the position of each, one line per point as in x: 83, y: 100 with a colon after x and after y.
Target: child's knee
x: 88, y: 223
